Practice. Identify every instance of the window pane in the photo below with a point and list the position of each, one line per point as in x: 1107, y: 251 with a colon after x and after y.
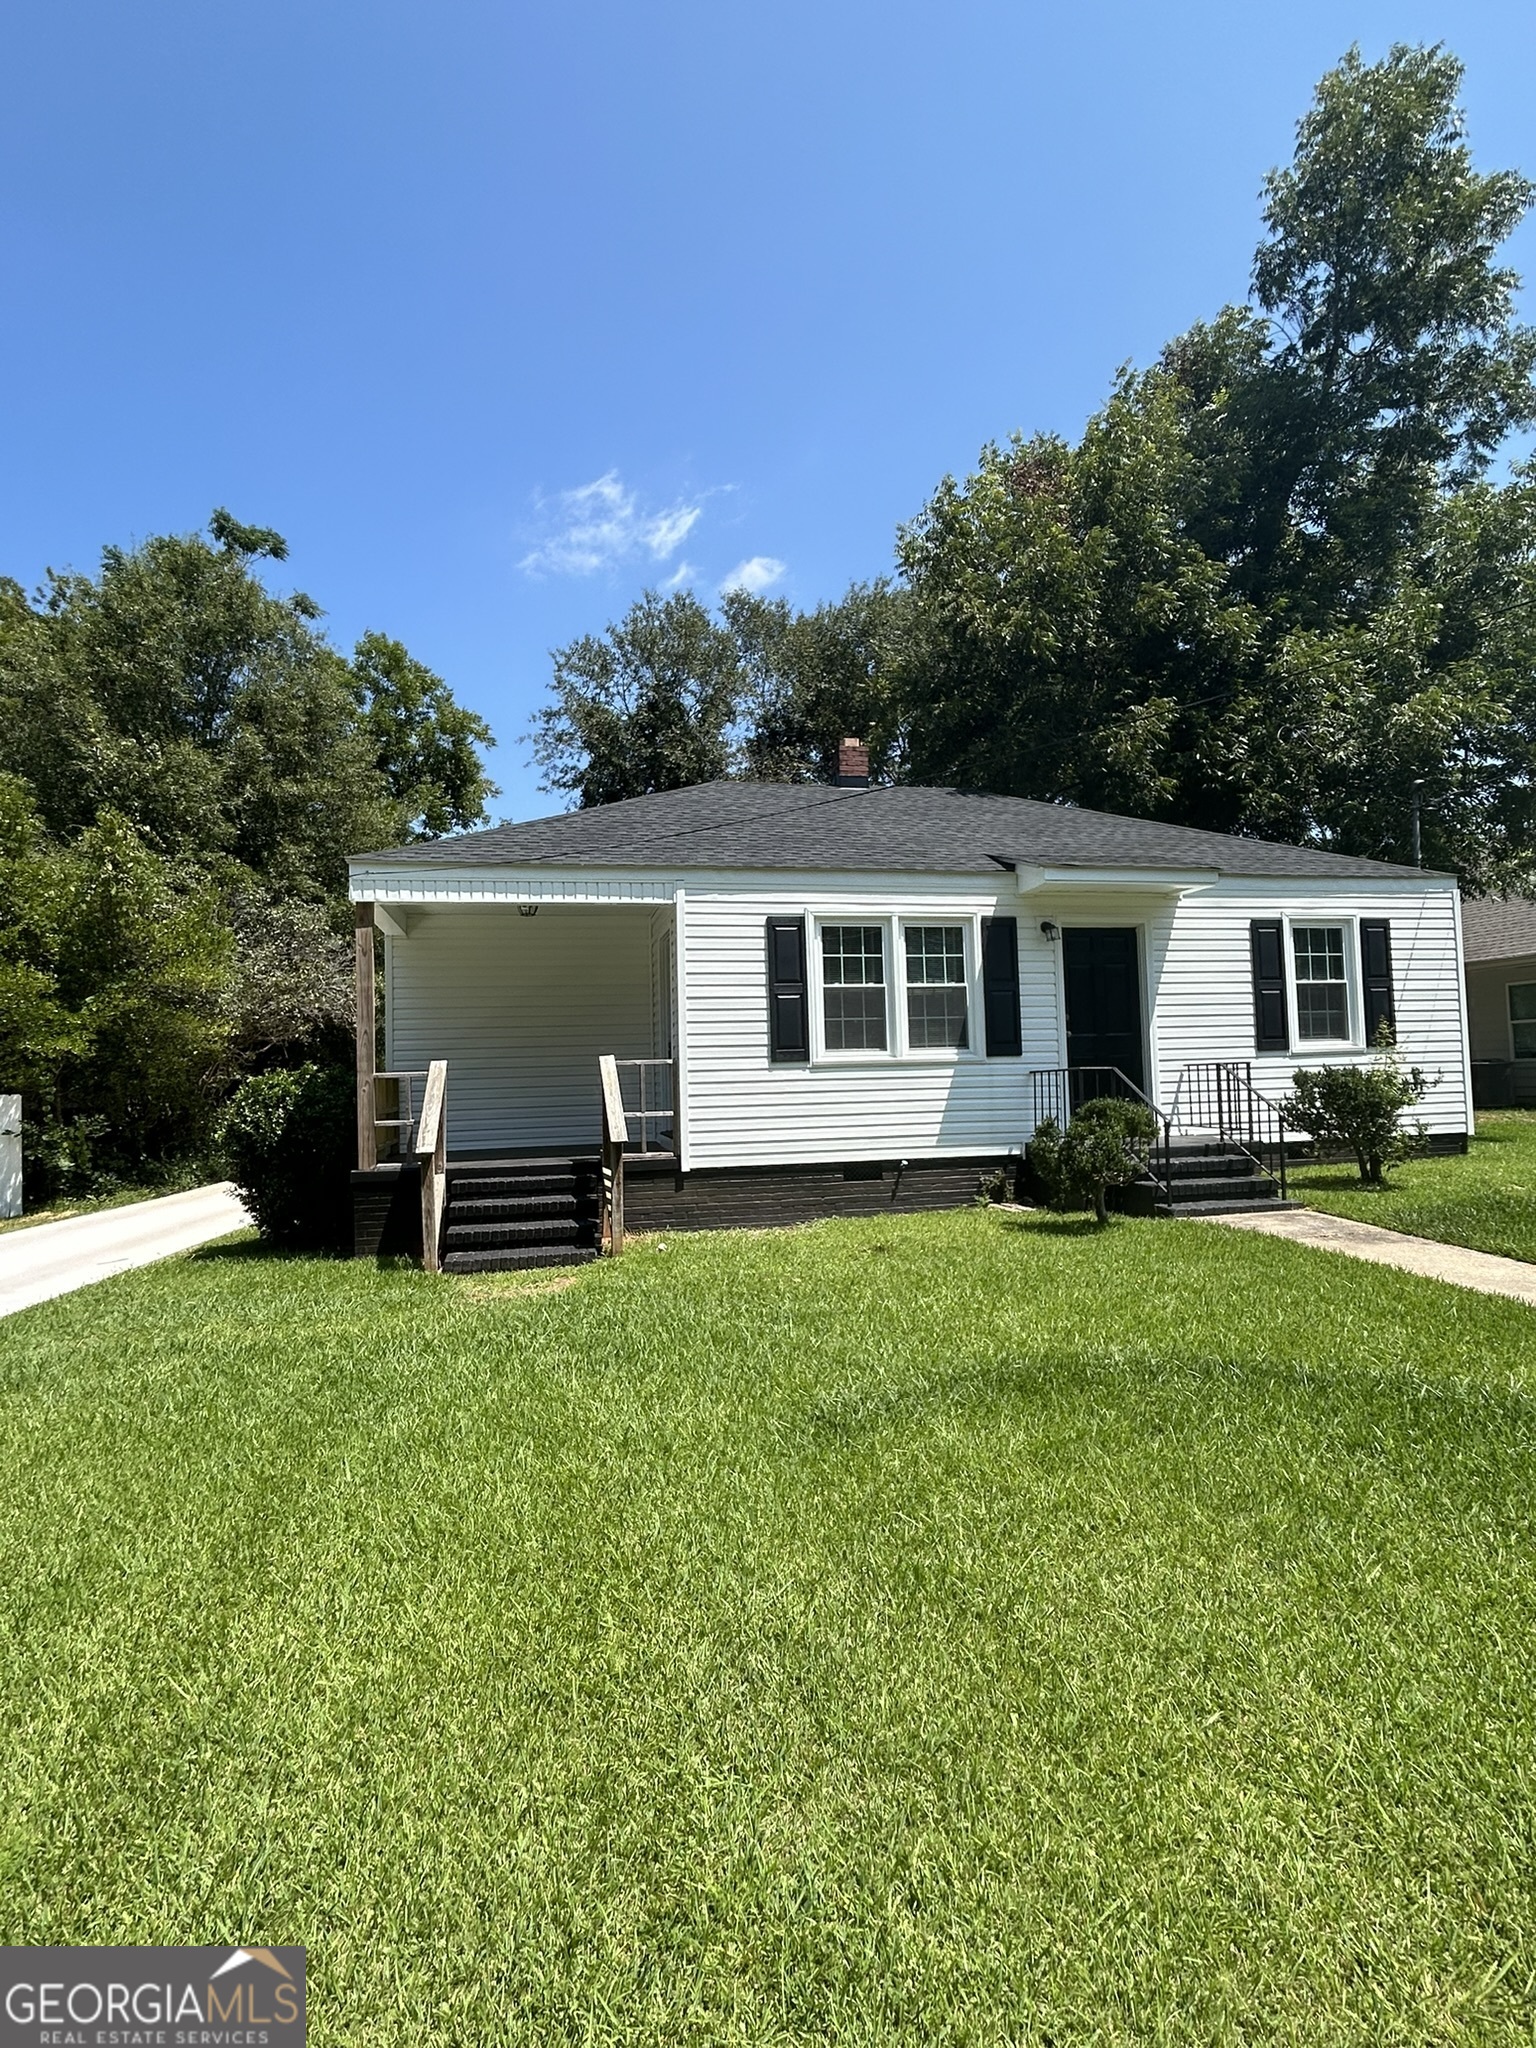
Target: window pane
x: 936, y: 952
x: 1522, y: 1001
x: 1524, y: 1033
x: 937, y: 1016
x: 856, y: 1020
x: 1322, y: 993
x: 1322, y: 1010
x: 936, y: 994
x: 853, y: 974
x: 853, y: 953
x: 1319, y: 952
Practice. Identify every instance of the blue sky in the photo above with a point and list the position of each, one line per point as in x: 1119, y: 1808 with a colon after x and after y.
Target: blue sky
x: 502, y: 312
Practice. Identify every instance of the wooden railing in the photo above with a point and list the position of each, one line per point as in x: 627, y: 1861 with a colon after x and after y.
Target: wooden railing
x: 432, y: 1160
x: 639, y: 1119
x: 407, y: 1116
x: 615, y: 1138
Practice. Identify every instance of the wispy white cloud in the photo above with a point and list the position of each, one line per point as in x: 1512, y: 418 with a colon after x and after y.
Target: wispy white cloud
x: 758, y: 572
x: 685, y: 572
x: 603, y: 524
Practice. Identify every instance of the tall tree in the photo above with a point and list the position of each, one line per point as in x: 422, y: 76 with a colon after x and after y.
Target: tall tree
x: 815, y: 677
x: 647, y: 705
x: 191, y: 763
x: 177, y: 690
x: 1273, y: 588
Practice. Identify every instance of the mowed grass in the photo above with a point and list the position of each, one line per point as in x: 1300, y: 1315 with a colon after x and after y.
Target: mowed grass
x: 1486, y: 1200
x: 959, y: 1629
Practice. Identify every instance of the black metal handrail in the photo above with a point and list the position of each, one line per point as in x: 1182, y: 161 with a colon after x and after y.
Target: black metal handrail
x: 1057, y: 1091
x: 1218, y: 1096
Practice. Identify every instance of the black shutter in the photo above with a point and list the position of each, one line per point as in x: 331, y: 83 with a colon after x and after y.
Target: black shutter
x: 788, y: 1015
x: 1376, y: 976
x: 1000, y: 986
x: 1271, y: 1031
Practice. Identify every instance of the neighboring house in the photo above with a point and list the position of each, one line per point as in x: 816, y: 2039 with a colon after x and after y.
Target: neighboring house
x: 1500, y: 940
x: 844, y: 997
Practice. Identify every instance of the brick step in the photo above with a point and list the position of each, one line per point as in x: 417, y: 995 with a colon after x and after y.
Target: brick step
x: 1224, y: 1187
x: 525, y: 1260
x: 503, y: 1186
x: 1200, y: 1166
x: 549, y: 1230
x: 511, y: 1208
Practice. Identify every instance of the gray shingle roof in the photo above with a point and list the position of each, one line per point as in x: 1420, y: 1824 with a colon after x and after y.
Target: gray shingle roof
x: 1498, y: 927
x: 903, y: 830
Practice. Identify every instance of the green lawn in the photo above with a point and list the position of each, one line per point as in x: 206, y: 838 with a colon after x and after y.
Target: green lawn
x: 968, y: 1629
x: 1486, y: 1200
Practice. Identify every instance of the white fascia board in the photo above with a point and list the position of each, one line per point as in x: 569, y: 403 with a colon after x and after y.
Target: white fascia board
x: 1154, y: 881
x: 429, y: 885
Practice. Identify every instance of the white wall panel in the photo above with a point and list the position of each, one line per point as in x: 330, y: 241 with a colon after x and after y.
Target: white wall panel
x: 743, y: 1110
x: 521, y: 1008
x: 1205, y: 984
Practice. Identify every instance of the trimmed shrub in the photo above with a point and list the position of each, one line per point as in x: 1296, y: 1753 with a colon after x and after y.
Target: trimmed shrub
x: 1360, y: 1108
x: 1106, y: 1145
x: 289, y: 1137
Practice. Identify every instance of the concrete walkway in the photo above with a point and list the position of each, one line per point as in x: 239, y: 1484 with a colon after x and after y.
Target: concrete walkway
x: 1486, y: 1272
x: 46, y: 1259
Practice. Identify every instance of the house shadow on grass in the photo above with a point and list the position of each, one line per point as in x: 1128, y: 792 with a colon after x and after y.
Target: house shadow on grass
x: 1041, y: 1223
x: 256, y: 1251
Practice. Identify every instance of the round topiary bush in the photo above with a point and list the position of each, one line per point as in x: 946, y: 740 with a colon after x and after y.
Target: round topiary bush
x: 288, y: 1138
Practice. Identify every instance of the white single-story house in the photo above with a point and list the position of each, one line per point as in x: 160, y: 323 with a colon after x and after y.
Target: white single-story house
x: 843, y: 997
x: 1499, y: 933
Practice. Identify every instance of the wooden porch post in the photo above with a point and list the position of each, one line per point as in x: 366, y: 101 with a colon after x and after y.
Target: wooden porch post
x: 367, y: 1134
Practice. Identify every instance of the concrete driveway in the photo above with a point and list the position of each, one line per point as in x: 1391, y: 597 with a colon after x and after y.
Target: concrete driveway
x: 46, y: 1259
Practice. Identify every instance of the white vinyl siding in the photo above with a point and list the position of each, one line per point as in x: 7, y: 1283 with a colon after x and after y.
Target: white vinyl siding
x: 521, y: 1008
x: 743, y: 1109
x: 1203, y: 974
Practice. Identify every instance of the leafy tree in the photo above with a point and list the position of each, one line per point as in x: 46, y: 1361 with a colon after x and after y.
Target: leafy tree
x: 815, y: 677
x: 114, y: 976
x: 177, y: 690
x: 1106, y: 1145
x: 1273, y: 589
x: 192, y: 763
x: 647, y: 705
x: 423, y: 741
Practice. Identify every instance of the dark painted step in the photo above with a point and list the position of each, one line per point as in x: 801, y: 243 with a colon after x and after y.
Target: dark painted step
x: 544, y: 1230
x: 511, y: 1208
x: 1199, y: 1166
x: 1183, y: 1210
x: 1224, y: 1187
x: 478, y: 1186
x: 507, y: 1261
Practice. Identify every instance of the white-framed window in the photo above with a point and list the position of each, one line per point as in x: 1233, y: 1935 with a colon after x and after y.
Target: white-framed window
x: 1320, y: 962
x: 887, y: 986
x: 854, y: 988
x: 1522, y: 1019
x: 938, y: 990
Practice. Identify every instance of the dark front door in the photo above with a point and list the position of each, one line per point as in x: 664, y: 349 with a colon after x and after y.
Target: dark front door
x: 1103, y: 976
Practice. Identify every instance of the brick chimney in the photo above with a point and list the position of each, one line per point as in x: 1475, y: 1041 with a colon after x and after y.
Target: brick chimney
x: 853, y: 765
